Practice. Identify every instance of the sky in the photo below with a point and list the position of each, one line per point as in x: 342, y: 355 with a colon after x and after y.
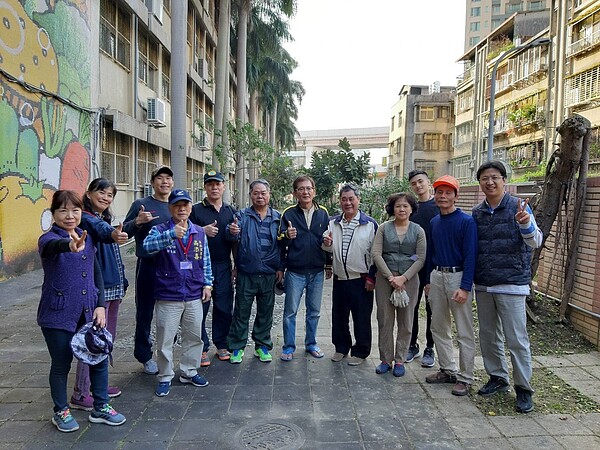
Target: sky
x: 355, y: 56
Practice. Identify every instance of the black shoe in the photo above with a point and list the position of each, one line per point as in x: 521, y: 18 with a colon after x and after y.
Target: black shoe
x: 495, y: 384
x: 524, y: 401
x: 413, y: 352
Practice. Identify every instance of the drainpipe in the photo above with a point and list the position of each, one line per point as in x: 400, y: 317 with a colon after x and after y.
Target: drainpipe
x: 135, y: 106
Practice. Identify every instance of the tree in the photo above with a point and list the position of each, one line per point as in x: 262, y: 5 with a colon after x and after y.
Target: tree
x: 373, y: 198
x: 280, y: 173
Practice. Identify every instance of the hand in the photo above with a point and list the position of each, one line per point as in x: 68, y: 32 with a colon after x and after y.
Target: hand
x: 144, y: 217
x: 397, y: 282
x: 426, y: 289
x: 460, y: 296
x: 328, y: 273
x: 328, y: 239
x: 211, y: 230
x: 206, y: 294
x: 180, y: 229
x: 118, y: 235
x: 77, y: 243
x: 291, y: 231
x: 99, y: 316
x: 522, y: 216
x: 278, y: 276
x: 369, y: 285
x: 234, y: 228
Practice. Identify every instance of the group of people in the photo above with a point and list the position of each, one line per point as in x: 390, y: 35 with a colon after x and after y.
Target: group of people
x: 192, y: 255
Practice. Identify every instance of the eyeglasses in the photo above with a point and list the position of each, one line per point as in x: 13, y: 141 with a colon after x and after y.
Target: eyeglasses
x: 304, y: 189
x: 495, y: 179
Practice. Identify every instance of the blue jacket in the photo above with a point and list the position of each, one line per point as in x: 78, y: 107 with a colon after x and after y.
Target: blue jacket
x: 251, y: 259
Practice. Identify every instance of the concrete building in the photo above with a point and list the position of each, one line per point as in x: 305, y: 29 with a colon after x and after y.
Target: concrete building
x: 420, y: 134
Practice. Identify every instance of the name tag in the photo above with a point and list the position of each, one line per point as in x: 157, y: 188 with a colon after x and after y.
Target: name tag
x: 185, y: 265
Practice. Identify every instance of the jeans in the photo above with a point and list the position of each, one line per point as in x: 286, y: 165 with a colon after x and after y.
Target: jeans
x: 295, y: 284
x: 222, y: 300
x: 59, y: 347
x: 145, y: 273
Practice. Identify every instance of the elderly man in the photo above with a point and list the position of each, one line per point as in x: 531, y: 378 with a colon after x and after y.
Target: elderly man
x: 142, y: 216
x: 214, y: 215
x: 507, y: 233
x: 349, y: 238
x: 301, y: 233
x: 259, y: 267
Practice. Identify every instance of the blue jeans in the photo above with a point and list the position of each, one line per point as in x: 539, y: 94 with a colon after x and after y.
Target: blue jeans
x: 222, y: 300
x: 295, y: 284
x: 59, y: 347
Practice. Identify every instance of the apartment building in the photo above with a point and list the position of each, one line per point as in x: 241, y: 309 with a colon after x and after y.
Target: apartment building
x: 421, y: 130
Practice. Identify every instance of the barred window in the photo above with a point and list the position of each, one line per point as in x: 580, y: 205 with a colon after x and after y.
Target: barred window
x: 116, y: 157
x: 147, y: 162
x: 115, y: 32
x: 166, y: 76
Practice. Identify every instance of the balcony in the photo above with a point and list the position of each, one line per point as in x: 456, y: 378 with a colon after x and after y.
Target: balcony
x: 466, y: 75
x: 585, y: 44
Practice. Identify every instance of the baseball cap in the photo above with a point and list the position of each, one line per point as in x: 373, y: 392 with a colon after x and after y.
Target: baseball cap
x: 446, y: 180
x: 92, y: 344
x: 178, y: 195
x: 213, y: 175
x: 163, y: 169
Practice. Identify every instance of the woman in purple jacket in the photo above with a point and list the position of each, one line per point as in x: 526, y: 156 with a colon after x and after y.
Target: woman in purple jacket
x: 70, y: 298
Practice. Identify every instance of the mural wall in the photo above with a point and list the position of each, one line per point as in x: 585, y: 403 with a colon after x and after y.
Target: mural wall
x: 46, y: 138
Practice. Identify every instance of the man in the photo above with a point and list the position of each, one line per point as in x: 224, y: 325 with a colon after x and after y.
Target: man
x: 259, y: 267
x: 214, y: 215
x: 507, y: 233
x: 183, y: 281
x: 349, y: 238
x: 453, y: 253
x: 421, y: 186
x: 302, y: 228
x: 142, y: 216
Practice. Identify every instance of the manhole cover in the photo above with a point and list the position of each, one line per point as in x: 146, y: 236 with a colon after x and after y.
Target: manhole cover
x: 271, y: 436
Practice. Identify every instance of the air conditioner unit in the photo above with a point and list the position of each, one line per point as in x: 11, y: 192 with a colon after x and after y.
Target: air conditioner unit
x: 203, y: 68
x: 157, y: 10
x: 156, y: 112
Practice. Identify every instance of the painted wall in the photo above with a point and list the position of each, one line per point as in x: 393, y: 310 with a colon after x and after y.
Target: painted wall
x: 45, y: 144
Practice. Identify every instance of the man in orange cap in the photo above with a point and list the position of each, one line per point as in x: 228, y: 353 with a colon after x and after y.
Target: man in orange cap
x: 452, y: 259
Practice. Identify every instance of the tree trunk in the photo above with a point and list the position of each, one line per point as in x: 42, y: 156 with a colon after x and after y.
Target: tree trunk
x: 240, y: 170
x: 273, y: 125
x: 222, y: 75
x: 253, y: 119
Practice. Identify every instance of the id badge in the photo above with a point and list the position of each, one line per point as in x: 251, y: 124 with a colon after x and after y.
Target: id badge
x: 185, y: 265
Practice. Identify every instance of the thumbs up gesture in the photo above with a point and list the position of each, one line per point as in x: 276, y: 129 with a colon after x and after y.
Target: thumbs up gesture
x: 234, y: 227
x: 328, y: 238
x: 211, y: 230
x: 291, y: 231
x: 118, y: 235
x: 77, y: 243
x: 180, y: 229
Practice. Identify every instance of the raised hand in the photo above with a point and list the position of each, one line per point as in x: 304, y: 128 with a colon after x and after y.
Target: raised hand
x: 180, y: 229
x: 118, y: 235
x: 234, y: 228
x: 77, y: 243
x: 211, y: 230
x: 328, y: 239
x: 144, y: 217
x: 291, y: 231
x: 522, y: 216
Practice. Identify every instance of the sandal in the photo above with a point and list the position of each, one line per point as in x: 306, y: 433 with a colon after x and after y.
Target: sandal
x: 223, y: 354
x: 316, y: 352
x: 287, y: 356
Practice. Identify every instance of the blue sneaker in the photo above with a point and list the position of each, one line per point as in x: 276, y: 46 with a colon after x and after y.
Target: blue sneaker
x: 107, y: 415
x: 197, y: 380
x: 382, y: 368
x: 163, y: 388
x: 64, y: 421
x: 399, y: 370
x: 413, y: 352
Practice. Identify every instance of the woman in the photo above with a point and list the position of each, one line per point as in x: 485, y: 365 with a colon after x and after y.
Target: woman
x: 96, y: 220
x: 399, y: 253
x: 71, y: 298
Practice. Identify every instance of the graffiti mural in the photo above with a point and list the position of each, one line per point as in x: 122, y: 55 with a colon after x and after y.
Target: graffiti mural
x: 46, y: 126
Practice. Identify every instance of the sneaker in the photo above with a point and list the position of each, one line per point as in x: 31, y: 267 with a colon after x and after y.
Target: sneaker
x: 440, y: 377
x: 236, y: 356
x: 461, y: 388
x: 495, y: 384
x: 263, y: 354
x: 337, y: 356
x: 205, y: 360
x: 85, y: 403
x: 197, y: 380
x: 524, y: 401
x: 150, y: 367
x: 163, y: 388
x: 223, y: 354
x: 108, y: 416
x: 113, y: 391
x: 382, y: 368
x: 428, y: 359
x: 399, y: 370
x: 413, y: 352
x: 64, y: 421
x: 355, y: 361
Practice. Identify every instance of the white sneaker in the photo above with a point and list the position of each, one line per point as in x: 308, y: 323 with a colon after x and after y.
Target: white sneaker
x: 150, y: 367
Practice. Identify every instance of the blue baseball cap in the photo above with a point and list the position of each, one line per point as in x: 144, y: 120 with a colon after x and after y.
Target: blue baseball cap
x: 178, y: 195
x: 213, y: 175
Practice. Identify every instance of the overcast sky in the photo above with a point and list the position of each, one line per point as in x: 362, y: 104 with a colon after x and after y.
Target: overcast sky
x: 354, y: 56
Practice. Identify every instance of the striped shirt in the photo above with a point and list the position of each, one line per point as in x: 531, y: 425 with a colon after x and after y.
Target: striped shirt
x: 348, y: 228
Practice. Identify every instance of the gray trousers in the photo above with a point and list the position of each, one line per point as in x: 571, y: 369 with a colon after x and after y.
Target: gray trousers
x: 504, y: 316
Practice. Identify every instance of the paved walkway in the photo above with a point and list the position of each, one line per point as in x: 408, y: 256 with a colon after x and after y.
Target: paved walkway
x: 306, y: 403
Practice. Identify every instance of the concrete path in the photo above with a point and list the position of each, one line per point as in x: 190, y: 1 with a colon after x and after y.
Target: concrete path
x: 306, y: 403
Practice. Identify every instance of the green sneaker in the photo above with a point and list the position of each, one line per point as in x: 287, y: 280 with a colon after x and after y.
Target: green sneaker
x: 236, y: 357
x: 263, y: 354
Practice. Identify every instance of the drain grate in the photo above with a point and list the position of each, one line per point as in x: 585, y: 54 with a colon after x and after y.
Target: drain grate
x: 274, y: 435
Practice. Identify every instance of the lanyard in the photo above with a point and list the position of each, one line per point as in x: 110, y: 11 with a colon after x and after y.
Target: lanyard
x: 186, y: 249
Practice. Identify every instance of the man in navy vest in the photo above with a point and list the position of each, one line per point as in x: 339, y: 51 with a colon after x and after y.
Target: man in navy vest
x: 507, y: 233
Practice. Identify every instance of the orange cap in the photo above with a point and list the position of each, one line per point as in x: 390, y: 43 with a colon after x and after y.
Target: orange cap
x: 446, y: 180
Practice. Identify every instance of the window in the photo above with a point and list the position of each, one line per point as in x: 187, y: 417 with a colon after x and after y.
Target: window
x: 513, y: 7
x: 148, y: 61
x: 496, y: 9
x: 399, y: 145
x: 427, y: 166
x: 188, y: 99
x: 166, y: 76
x: 400, y: 119
x: 115, y: 33
x: 536, y: 5
x: 147, y: 162
x: 496, y: 23
x: 474, y: 26
x: 443, y: 112
x: 476, y: 11
x: 116, y: 155
x: 426, y: 113
x: 431, y: 141
x: 473, y: 40
x: 392, y: 124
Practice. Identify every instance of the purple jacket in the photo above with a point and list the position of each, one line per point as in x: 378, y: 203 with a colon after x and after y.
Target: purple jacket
x: 69, y: 288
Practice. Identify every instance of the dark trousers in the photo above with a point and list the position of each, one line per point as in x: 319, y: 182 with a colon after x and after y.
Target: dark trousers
x: 59, y: 347
x: 351, y: 297
x: 145, y: 273
x: 248, y: 287
x: 415, y: 328
x: 222, y: 301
